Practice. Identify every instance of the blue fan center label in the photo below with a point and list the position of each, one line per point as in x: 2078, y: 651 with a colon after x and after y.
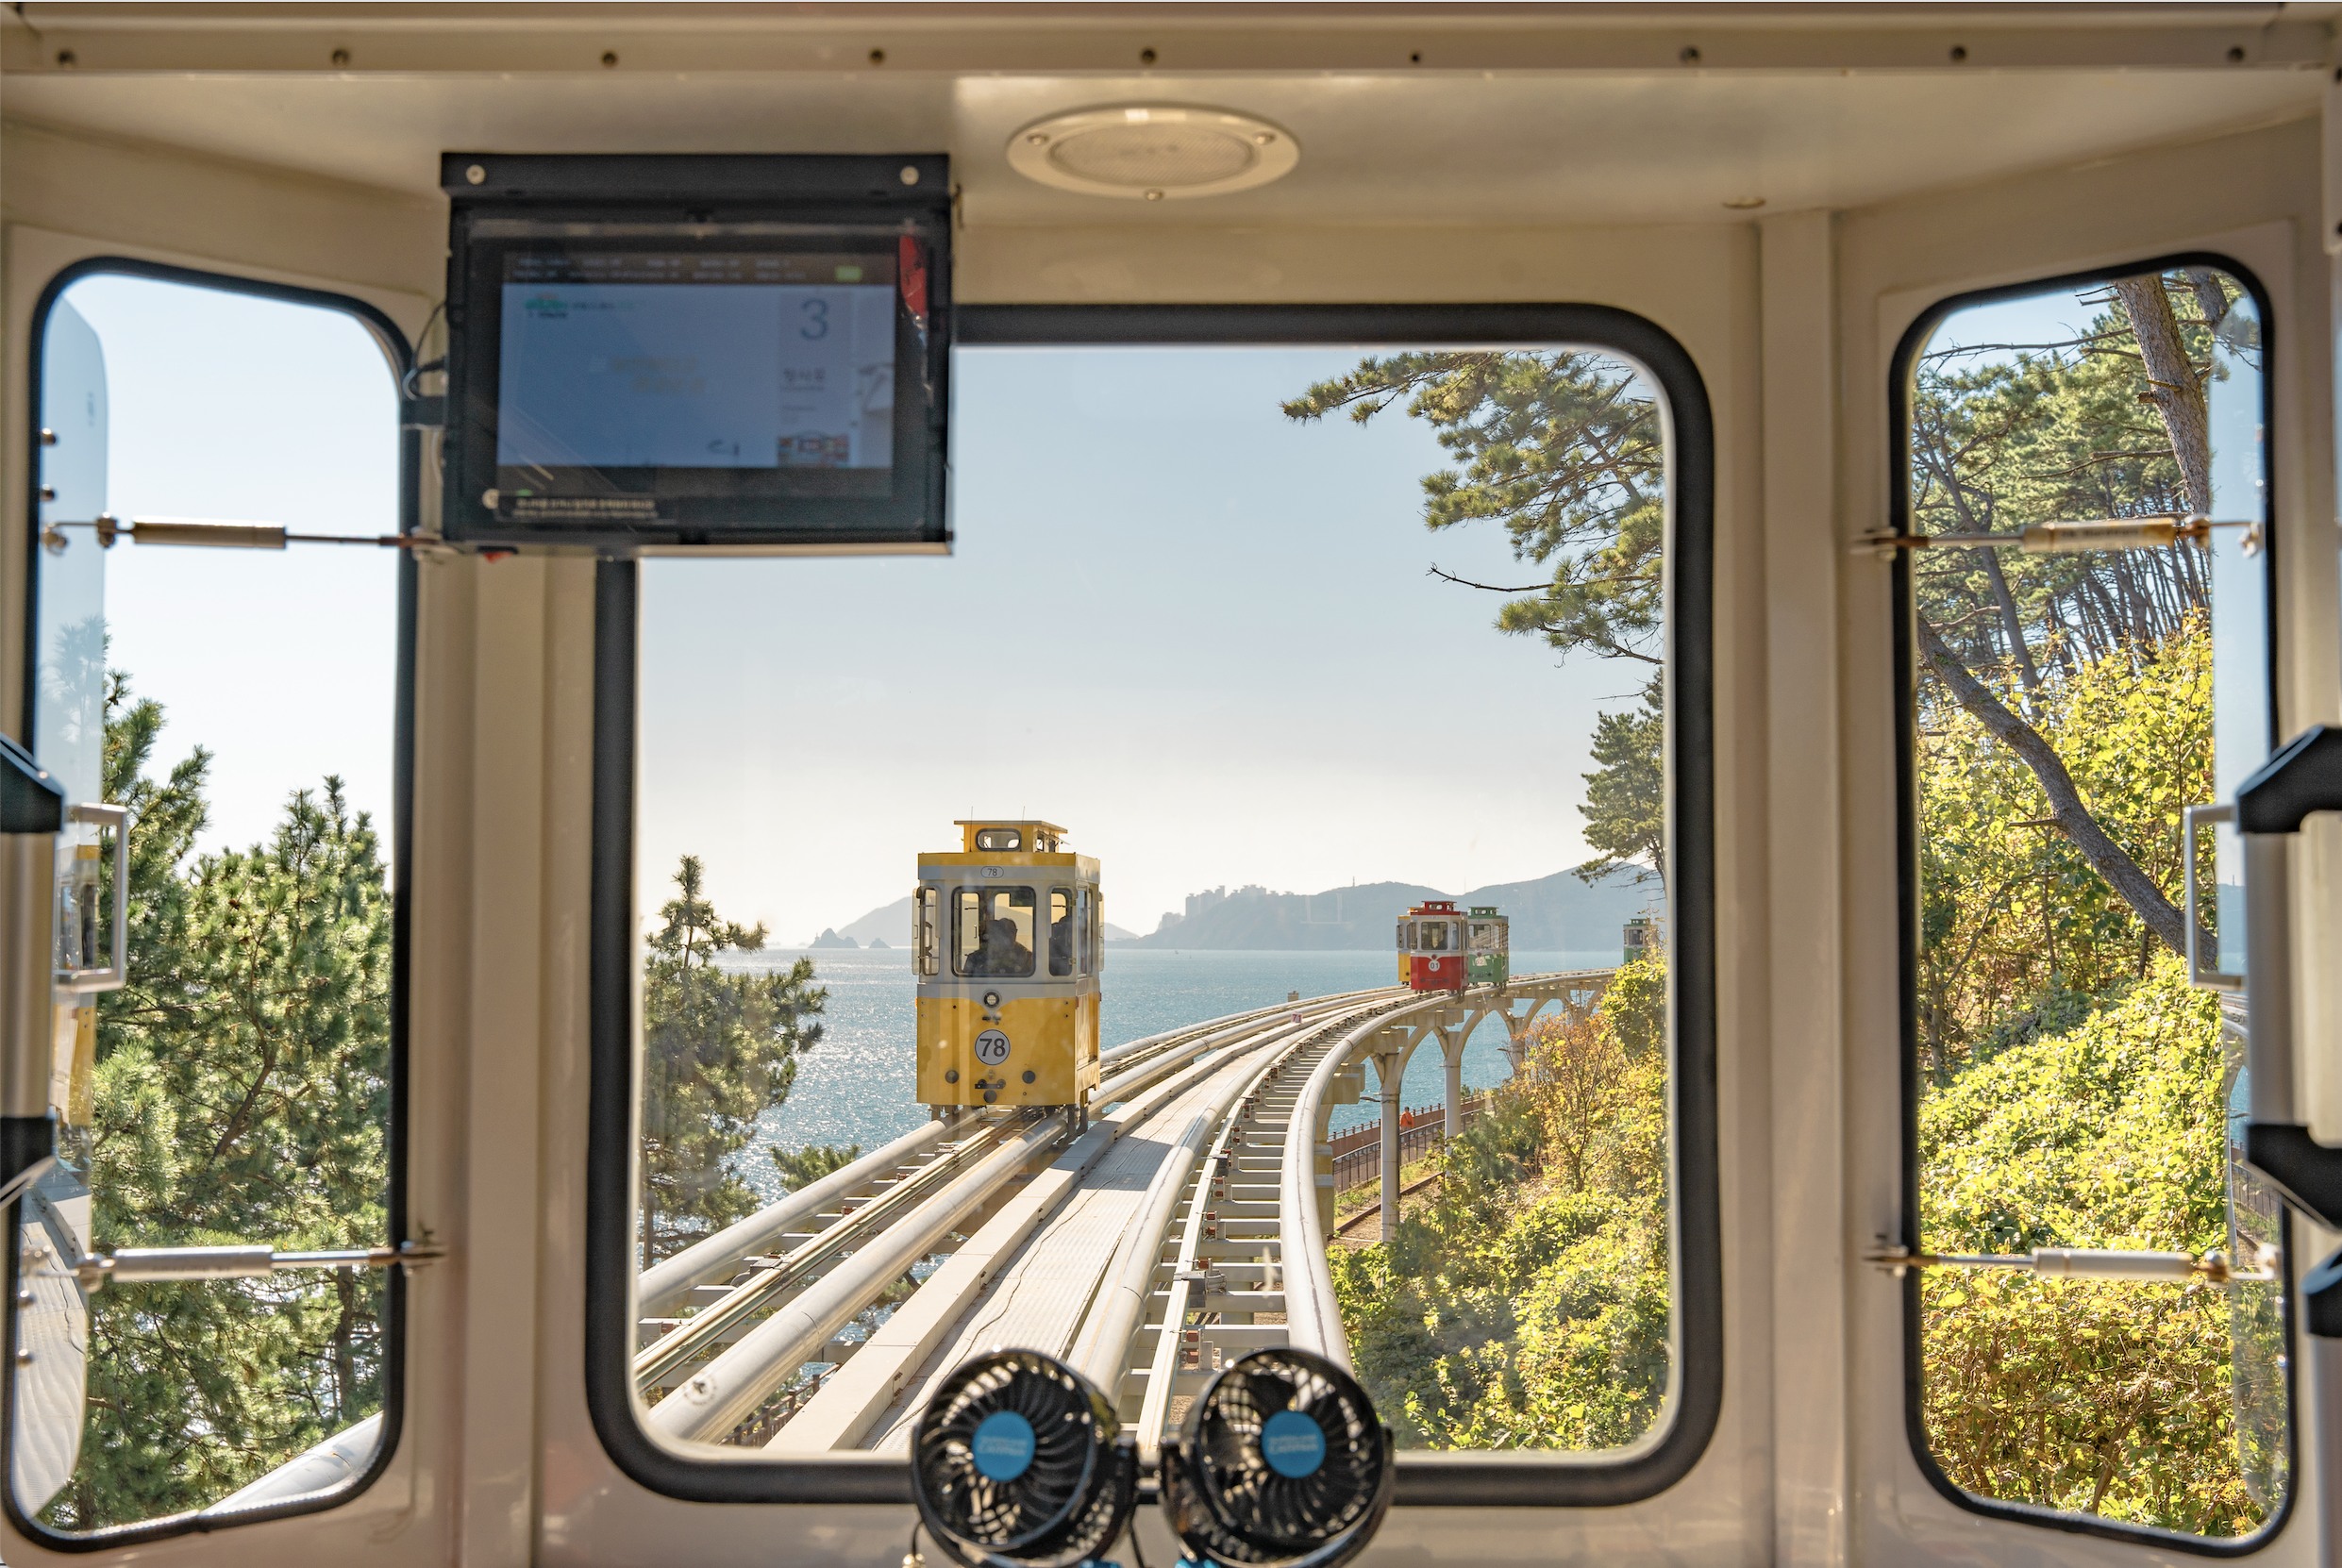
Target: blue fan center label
x: 1293, y: 1444
x: 1004, y: 1446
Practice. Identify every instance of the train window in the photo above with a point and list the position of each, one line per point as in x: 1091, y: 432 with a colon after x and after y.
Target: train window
x: 2090, y: 617
x: 1061, y: 931
x: 927, y: 944
x: 999, y: 839
x: 229, y: 1084
x: 848, y: 1170
x: 994, y: 932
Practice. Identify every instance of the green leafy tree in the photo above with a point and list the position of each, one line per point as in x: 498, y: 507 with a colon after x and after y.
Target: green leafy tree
x: 1528, y: 1305
x: 2113, y: 422
x: 720, y: 1049
x: 240, y: 1094
x: 2096, y: 1397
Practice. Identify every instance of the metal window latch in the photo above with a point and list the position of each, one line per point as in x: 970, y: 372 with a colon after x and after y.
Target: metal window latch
x: 2059, y: 539
x: 144, y: 1265
x: 2080, y: 1263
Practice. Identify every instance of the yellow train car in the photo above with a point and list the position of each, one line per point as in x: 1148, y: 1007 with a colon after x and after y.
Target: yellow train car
x: 1007, y: 939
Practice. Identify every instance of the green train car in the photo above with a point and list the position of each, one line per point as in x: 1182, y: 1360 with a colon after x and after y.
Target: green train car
x: 1488, y: 947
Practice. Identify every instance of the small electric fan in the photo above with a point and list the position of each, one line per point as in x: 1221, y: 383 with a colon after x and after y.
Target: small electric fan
x: 1281, y: 1461
x: 1019, y: 1461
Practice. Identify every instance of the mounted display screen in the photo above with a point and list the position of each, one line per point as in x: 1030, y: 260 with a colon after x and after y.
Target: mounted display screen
x: 752, y: 358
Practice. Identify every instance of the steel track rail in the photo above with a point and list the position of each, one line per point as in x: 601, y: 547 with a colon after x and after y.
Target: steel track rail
x: 719, y: 1395
x: 704, y: 1329
x: 863, y: 1398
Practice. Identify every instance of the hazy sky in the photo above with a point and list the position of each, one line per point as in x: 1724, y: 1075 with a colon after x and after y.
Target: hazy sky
x: 1198, y: 635
x: 223, y: 406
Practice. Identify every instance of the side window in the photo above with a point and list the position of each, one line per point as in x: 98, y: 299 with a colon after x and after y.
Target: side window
x: 1061, y: 931
x: 2088, y: 616
x: 223, y: 1076
x: 925, y: 936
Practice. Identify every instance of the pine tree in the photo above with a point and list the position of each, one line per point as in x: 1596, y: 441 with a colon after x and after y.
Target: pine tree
x: 720, y: 1049
x: 240, y: 1096
x: 1626, y: 803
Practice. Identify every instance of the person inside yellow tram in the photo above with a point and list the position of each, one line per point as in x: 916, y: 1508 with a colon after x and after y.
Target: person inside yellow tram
x: 1002, y: 953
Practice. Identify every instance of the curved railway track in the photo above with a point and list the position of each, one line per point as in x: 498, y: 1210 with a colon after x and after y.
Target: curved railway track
x: 1148, y: 1247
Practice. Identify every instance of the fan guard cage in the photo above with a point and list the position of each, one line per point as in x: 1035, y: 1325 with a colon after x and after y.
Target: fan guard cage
x: 1231, y: 1502
x: 1064, y: 1504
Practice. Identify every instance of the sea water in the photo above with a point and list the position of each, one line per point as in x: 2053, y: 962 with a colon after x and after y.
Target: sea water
x: 855, y: 1085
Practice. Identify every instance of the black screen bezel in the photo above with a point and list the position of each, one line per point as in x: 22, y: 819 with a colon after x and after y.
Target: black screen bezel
x: 708, y: 205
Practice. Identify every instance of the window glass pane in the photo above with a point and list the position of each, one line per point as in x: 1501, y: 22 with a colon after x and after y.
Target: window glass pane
x: 234, y: 1087
x: 1061, y: 931
x: 1521, y: 1296
x: 2074, y: 1091
x: 995, y: 934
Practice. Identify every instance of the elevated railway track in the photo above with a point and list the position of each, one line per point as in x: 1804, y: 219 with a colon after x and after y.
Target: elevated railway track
x: 1183, y: 1224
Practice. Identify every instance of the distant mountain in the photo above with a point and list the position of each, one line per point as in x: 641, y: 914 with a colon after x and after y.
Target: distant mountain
x: 891, y: 926
x: 1552, y: 913
x: 891, y: 922
x: 832, y: 939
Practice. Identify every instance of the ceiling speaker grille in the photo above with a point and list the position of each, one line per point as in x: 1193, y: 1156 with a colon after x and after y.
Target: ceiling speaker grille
x: 1153, y: 151
x: 1149, y: 154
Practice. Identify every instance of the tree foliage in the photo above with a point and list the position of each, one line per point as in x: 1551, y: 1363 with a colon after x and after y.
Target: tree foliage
x: 720, y: 1049
x: 1529, y: 1305
x: 2096, y: 1397
x: 1564, y: 451
x: 1626, y: 799
x: 2016, y: 924
x: 240, y: 1094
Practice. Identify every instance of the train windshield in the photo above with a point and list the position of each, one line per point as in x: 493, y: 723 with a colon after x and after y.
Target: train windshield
x: 994, y: 934
x: 1487, y: 936
x: 1490, y: 1166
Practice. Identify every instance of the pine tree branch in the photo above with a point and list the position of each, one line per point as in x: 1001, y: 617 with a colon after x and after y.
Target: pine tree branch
x: 2107, y: 857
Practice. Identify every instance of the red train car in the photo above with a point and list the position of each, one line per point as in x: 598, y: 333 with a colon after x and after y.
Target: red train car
x: 1431, y: 952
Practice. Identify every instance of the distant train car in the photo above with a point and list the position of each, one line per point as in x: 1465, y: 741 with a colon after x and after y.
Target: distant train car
x: 1487, y: 946
x: 1005, y: 943
x: 1430, y: 947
